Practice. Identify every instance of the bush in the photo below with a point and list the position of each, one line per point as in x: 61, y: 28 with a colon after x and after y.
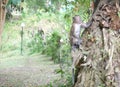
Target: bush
x: 53, y: 46
x: 36, y: 44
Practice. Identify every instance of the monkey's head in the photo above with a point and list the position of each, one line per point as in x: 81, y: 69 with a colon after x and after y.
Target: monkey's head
x: 77, y: 19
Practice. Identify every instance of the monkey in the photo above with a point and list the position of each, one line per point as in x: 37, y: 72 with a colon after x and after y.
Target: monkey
x: 75, y: 31
x: 75, y: 40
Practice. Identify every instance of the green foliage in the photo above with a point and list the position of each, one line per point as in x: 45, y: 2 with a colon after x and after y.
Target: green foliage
x: 65, y: 81
x: 36, y: 44
x: 53, y: 45
x: 119, y: 13
x: 35, y: 4
x: 59, y: 71
x: 65, y: 53
x: 9, y: 41
x: 15, y: 2
x: 102, y: 85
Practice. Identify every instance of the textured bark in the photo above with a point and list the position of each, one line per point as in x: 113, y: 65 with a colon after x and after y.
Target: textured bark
x: 100, y: 65
x: 3, y: 4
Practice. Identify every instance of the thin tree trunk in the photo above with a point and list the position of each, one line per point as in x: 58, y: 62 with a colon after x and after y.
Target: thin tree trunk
x: 3, y: 4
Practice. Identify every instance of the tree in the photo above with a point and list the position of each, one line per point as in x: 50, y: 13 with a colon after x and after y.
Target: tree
x: 101, y: 48
x: 3, y: 4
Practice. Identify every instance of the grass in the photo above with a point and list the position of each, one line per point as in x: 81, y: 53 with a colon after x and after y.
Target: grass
x: 35, y: 70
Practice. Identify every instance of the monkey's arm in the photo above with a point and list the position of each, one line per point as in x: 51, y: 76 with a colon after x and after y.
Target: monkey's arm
x: 86, y: 25
x: 72, y: 32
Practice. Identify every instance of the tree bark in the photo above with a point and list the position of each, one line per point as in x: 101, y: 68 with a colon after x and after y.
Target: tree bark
x: 3, y: 4
x: 100, y: 65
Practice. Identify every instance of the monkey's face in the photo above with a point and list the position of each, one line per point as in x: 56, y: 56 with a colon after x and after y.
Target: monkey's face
x: 77, y: 19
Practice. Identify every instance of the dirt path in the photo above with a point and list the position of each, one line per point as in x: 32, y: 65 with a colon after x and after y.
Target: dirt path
x: 33, y: 71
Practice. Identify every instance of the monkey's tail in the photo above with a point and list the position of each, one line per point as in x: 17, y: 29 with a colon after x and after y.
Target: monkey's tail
x: 73, y: 76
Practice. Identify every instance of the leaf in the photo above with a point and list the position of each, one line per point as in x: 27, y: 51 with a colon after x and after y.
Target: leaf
x: 59, y: 71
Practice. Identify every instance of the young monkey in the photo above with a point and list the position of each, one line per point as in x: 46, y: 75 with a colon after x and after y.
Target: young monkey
x: 77, y: 25
x: 75, y: 39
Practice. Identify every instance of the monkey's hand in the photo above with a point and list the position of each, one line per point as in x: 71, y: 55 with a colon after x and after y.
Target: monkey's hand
x: 88, y: 63
x: 89, y: 23
x: 86, y: 25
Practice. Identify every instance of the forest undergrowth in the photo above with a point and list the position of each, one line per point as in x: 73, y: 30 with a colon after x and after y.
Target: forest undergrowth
x: 28, y: 70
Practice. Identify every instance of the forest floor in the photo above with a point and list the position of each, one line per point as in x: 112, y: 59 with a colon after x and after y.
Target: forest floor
x: 27, y: 71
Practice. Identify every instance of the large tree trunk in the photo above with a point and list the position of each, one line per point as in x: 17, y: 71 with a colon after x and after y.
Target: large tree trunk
x: 3, y: 4
x: 100, y: 64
